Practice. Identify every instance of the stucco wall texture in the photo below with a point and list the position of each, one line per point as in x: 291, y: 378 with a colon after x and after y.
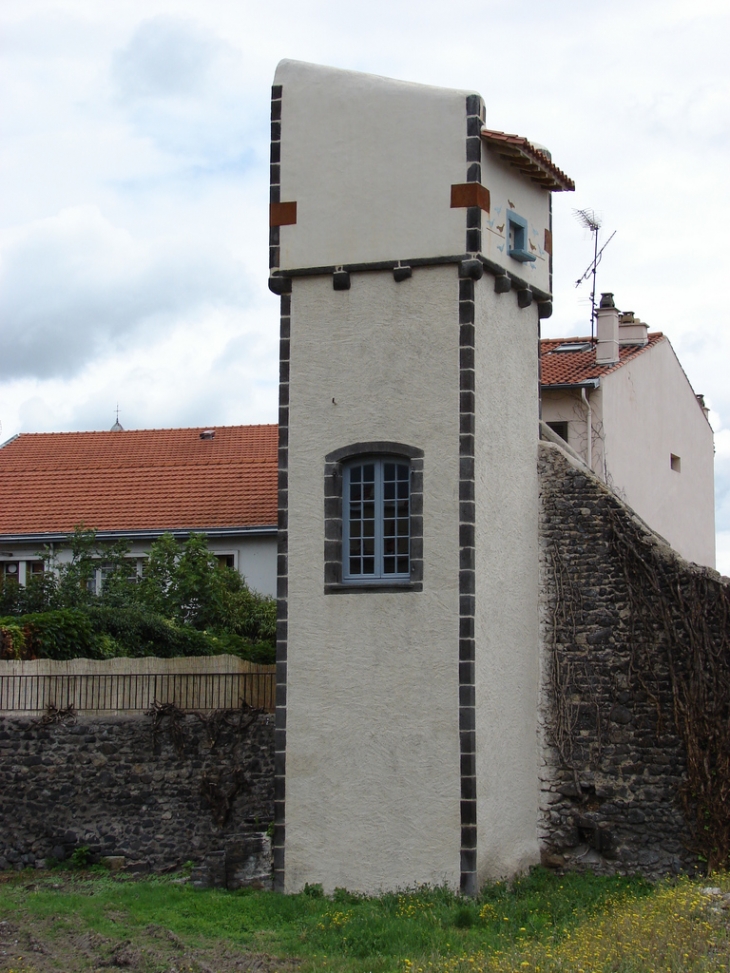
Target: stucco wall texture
x: 370, y: 163
x: 643, y: 413
x: 507, y: 583
x: 372, y: 787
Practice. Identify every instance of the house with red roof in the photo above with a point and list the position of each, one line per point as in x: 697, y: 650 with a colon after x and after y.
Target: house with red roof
x: 623, y: 403
x: 136, y: 485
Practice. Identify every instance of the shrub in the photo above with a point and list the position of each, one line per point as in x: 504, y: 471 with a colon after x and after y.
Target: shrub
x: 62, y: 634
x: 12, y: 639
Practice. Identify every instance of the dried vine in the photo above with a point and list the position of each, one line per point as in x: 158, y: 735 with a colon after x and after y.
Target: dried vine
x: 219, y: 790
x: 680, y: 618
x: 570, y: 679
x: 170, y: 716
x: 55, y: 714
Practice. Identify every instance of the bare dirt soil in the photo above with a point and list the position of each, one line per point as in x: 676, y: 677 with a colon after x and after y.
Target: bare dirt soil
x: 32, y: 945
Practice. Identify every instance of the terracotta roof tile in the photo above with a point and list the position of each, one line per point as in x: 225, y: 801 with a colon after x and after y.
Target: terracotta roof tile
x: 148, y: 479
x: 575, y: 367
x: 529, y: 159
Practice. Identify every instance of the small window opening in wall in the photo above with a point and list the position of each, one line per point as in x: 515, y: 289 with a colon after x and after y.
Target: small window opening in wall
x: 560, y: 428
x: 226, y: 560
x: 517, y: 237
x: 675, y: 462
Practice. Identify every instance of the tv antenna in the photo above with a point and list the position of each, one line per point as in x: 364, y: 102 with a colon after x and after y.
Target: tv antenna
x: 592, y: 222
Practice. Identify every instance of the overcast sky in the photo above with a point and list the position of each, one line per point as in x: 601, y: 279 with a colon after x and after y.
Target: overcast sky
x: 134, y: 175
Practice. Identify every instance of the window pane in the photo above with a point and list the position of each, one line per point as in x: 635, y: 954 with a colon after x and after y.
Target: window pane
x: 378, y: 525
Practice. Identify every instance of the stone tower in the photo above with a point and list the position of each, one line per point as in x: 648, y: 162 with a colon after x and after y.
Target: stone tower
x: 411, y: 249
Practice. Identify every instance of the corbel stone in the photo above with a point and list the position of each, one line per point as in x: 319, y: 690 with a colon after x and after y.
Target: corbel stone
x: 280, y: 285
x: 524, y: 297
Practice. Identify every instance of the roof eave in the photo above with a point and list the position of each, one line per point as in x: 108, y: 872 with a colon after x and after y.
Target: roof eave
x: 55, y: 537
x: 525, y: 157
x: 588, y: 383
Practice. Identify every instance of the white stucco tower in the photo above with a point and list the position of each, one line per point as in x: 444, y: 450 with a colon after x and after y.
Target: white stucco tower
x: 410, y: 247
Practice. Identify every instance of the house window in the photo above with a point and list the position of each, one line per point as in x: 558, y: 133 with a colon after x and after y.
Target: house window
x: 376, y: 521
x: 373, y: 518
x: 675, y: 462
x: 560, y: 428
x: 517, y: 237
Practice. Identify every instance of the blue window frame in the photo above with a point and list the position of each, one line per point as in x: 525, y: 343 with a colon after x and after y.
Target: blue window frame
x: 376, y: 521
x: 517, y: 237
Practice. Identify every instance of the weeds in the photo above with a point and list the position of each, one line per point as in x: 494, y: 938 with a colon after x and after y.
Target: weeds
x: 539, y: 924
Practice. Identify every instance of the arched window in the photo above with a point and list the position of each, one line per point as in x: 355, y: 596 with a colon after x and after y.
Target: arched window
x: 373, y: 517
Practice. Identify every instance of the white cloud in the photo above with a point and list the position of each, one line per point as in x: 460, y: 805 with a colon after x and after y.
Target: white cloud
x: 74, y: 286
x: 182, y: 87
x: 135, y: 182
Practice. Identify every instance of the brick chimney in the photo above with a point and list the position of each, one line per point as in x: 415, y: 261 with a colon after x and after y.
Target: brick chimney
x: 607, y: 331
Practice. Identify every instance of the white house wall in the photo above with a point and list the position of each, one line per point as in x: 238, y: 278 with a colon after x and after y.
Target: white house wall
x: 254, y: 557
x: 372, y: 749
x: 528, y: 200
x: 649, y: 413
x: 566, y: 405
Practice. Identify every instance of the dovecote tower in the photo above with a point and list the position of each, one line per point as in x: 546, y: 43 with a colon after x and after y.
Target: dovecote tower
x: 411, y: 250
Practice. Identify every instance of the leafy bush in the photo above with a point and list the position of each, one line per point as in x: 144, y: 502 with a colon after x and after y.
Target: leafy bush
x: 12, y: 639
x: 186, y: 604
x: 62, y: 634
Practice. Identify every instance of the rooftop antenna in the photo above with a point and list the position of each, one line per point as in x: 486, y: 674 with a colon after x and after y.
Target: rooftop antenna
x: 592, y: 222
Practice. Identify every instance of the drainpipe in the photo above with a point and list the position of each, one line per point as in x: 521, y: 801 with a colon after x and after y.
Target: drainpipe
x: 589, y: 429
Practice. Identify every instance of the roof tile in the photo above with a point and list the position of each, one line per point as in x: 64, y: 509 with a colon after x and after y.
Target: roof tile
x: 147, y: 479
x: 575, y: 367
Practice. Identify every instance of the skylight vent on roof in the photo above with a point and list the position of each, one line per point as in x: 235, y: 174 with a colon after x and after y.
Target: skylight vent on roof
x: 574, y: 346
x: 208, y: 434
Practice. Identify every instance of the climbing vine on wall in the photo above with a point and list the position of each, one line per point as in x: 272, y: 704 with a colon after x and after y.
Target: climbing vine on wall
x: 680, y: 618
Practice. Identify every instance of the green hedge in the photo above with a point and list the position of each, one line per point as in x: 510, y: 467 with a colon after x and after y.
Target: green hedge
x: 62, y: 634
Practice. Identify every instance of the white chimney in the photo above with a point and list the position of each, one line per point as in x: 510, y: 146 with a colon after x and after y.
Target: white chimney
x: 607, y: 331
x: 631, y: 331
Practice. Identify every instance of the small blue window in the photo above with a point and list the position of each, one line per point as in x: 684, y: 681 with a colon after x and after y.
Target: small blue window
x: 517, y: 237
x: 376, y: 521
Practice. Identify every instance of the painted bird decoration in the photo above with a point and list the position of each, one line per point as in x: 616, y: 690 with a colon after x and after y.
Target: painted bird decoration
x: 500, y: 229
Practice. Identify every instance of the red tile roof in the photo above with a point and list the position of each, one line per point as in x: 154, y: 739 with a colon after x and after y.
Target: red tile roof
x: 576, y: 367
x: 530, y: 160
x: 147, y: 479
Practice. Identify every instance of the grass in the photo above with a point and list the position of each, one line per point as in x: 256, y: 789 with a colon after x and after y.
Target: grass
x: 540, y: 924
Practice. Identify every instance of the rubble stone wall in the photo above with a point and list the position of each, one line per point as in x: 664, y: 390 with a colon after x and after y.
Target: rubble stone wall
x: 192, y: 791
x: 613, y: 765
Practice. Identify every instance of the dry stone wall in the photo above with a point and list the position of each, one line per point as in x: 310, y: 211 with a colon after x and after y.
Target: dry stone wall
x: 616, y: 655
x: 146, y: 797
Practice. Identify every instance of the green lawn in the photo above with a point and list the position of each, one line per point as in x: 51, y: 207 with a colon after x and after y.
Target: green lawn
x: 541, y: 923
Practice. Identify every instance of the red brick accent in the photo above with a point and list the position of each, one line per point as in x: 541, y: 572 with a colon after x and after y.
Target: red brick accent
x: 282, y: 214
x: 470, y: 194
